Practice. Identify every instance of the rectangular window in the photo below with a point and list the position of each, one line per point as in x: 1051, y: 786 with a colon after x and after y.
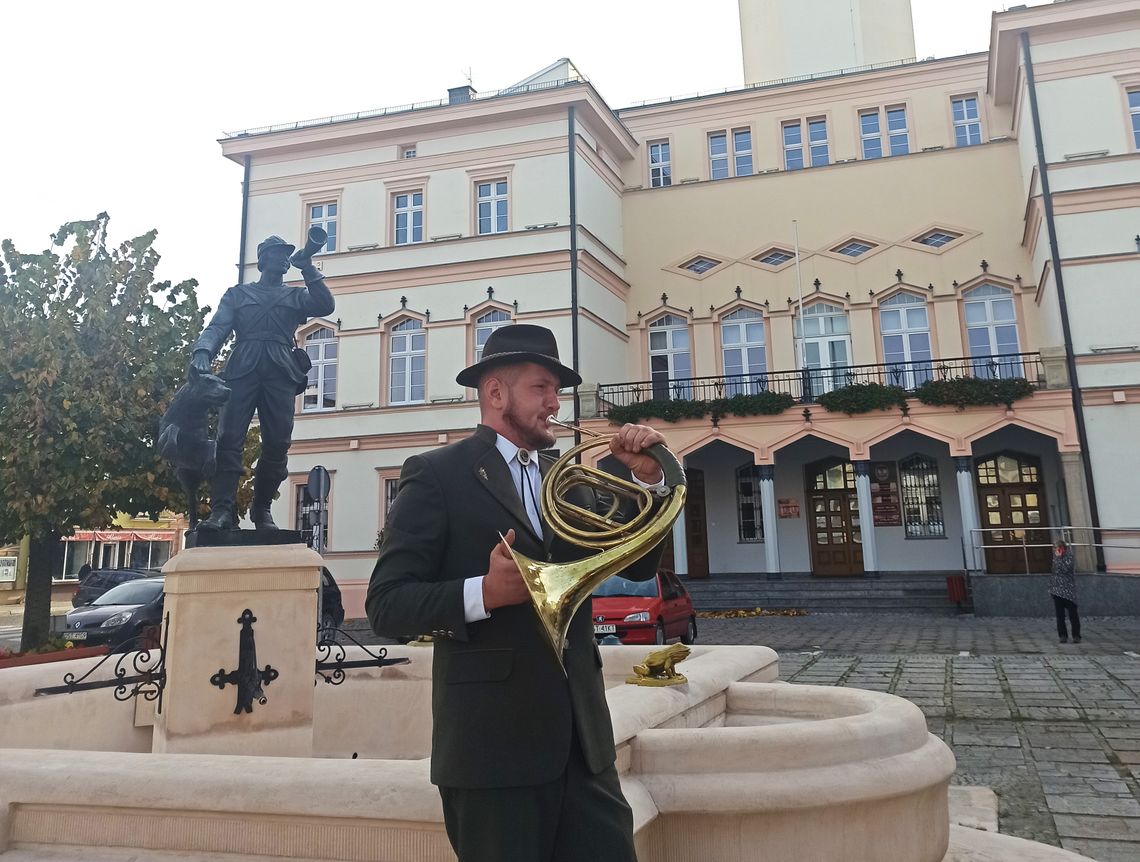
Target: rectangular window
x: 408, y: 212
x: 967, y: 121
x: 921, y: 498
x: 817, y: 142
x: 408, y: 152
x: 793, y: 146
x: 869, y: 131
x: 749, y: 511
x: 491, y: 207
x: 742, y: 151
x: 1134, y: 115
x: 660, y: 168
x: 407, y: 357
x: 897, y: 132
x: 718, y: 156
x: 324, y: 215
x: 305, y: 516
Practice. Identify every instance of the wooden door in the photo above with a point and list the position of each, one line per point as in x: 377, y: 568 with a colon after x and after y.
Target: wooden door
x: 1011, y: 501
x: 833, y: 518
x: 696, y: 532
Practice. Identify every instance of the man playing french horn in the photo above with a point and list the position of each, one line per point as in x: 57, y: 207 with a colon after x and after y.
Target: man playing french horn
x: 522, y: 745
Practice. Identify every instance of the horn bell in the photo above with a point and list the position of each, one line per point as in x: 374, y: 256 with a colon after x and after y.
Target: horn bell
x: 557, y: 590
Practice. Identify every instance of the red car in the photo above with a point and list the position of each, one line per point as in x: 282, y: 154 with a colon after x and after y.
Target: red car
x: 644, y: 612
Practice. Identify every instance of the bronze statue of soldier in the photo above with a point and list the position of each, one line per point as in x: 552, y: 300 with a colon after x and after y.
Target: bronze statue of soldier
x: 265, y: 372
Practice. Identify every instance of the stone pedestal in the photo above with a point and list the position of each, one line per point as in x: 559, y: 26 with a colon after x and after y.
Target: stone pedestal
x: 207, y: 591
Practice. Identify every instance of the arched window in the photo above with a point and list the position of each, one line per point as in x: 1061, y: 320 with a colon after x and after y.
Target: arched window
x: 670, y: 367
x: 485, y: 324
x: 905, y: 328
x: 823, y: 346
x: 407, y: 357
x: 742, y: 348
x: 921, y: 498
x: 991, y: 331
x: 749, y: 512
x: 320, y: 393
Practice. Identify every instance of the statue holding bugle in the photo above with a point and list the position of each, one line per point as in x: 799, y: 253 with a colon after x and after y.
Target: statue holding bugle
x: 265, y: 372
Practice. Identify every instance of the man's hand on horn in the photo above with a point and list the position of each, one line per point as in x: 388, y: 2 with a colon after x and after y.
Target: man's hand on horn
x: 628, y: 445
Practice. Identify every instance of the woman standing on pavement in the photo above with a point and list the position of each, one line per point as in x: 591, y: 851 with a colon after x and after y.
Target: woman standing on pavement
x: 1063, y: 589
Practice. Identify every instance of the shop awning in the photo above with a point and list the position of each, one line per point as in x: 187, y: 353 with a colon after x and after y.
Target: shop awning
x: 122, y: 536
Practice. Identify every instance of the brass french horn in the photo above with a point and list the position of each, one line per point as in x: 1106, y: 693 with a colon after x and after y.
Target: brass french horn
x: 558, y: 589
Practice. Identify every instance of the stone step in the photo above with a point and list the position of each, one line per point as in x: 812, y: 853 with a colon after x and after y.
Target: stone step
x: 893, y: 592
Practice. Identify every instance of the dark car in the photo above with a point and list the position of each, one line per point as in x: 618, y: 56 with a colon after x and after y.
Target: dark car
x: 124, y: 618
x: 644, y: 612
x: 98, y: 581
x: 332, y: 608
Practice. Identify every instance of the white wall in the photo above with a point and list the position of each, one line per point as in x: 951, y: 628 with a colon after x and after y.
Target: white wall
x: 897, y: 552
x: 726, y: 552
x: 1112, y: 449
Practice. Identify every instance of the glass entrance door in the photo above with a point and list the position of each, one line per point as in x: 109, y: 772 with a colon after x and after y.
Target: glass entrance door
x: 834, y: 520
x: 1012, y: 503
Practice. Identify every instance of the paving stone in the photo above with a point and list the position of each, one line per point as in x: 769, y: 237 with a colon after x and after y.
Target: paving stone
x: 1093, y: 805
x: 1103, y: 851
x: 1088, y: 826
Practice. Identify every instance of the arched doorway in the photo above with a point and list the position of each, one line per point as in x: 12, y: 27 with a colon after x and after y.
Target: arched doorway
x: 834, y: 520
x: 1011, y: 502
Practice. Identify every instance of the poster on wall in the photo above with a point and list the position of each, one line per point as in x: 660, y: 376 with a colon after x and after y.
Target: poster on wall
x: 885, y: 505
x: 7, y: 569
x: 788, y: 507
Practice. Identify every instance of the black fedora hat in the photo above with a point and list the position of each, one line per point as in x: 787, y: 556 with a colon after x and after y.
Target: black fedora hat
x: 519, y: 342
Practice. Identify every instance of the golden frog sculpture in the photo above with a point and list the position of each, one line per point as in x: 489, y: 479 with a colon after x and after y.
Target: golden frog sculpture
x: 659, y: 668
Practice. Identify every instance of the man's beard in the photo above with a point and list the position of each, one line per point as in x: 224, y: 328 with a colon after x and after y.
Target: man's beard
x: 531, y: 438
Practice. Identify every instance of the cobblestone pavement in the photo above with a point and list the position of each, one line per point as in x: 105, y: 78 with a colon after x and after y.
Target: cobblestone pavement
x: 1054, y: 729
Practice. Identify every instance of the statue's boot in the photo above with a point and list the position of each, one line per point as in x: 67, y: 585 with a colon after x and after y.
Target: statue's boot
x: 223, y: 490
x: 264, y: 490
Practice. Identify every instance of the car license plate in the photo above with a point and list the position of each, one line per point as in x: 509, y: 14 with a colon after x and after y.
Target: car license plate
x: 605, y: 629
x: 75, y: 636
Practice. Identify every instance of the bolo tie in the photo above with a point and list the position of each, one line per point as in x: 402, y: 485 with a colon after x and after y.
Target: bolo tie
x: 524, y: 462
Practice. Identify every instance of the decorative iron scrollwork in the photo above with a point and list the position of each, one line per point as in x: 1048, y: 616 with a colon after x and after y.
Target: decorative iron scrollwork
x: 248, y: 679
x: 139, y: 673
x: 331, y: 656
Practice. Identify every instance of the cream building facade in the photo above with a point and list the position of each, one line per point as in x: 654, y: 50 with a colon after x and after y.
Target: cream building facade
x: 659, y: 242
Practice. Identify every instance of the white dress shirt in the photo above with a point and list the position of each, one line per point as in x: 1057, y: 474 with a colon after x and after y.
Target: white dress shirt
x: 473, y: 608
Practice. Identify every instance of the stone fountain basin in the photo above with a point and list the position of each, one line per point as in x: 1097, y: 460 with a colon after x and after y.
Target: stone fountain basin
x: 715, y: 770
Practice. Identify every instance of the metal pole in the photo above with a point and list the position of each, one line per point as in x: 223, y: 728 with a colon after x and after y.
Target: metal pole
x: 1063, y: 307
x: 244, y: 219
x: 571, y: 158
x: 804, y: 377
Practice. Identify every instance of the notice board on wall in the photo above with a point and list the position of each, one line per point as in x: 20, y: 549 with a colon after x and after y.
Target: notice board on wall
x: 886, y: 507
x: 788, y: 507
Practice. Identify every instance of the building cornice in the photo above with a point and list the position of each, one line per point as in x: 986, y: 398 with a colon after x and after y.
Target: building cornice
x: 397, y: 128
x: 1048, y: 22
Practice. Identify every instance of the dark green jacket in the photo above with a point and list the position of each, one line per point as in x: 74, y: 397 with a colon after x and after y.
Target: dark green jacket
x: 502, y: 706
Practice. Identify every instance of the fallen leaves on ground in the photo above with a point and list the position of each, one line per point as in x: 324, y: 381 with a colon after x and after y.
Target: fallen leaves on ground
x: 740, y: 613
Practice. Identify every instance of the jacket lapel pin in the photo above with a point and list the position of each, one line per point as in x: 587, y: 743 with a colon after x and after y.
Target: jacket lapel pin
x: 483, y: 474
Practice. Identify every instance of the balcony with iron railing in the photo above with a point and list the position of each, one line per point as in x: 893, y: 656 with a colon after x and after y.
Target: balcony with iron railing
x: 806, y: 385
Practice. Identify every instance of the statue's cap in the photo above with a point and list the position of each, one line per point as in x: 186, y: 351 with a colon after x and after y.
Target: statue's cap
x: 273, y: 242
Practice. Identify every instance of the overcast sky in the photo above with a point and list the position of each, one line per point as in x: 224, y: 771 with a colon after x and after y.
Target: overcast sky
x: 118, y: 106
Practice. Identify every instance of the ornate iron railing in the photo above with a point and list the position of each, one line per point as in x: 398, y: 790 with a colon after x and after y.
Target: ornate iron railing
x: 333, y: 657
x: 807, y: 384
x: 137, y: 674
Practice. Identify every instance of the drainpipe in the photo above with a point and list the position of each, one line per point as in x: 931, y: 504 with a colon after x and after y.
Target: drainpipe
x: 572, y: 158
x: 244, y: 219
x: 1058, y: 277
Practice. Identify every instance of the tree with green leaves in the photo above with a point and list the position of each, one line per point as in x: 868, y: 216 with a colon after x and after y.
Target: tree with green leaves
x: 93, y: 351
